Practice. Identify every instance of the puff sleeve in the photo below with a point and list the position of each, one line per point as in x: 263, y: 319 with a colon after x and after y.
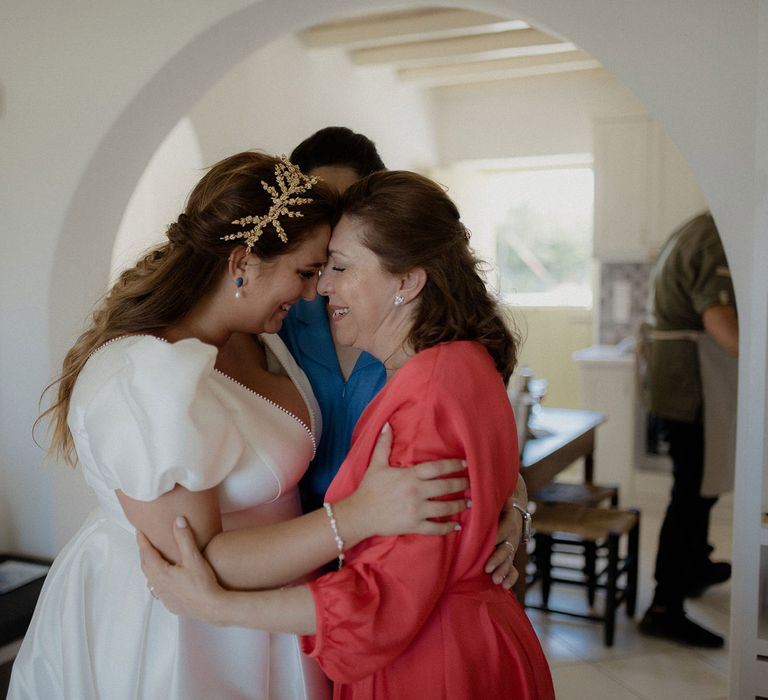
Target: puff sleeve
x: 148, y: 417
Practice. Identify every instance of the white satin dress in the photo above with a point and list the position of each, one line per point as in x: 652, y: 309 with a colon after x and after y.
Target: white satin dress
x: 145, y: 415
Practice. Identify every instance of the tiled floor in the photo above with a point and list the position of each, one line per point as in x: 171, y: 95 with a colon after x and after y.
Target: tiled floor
x: 639, y: 667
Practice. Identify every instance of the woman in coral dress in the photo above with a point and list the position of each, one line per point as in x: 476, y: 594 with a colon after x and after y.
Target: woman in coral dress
x: 407, y: 616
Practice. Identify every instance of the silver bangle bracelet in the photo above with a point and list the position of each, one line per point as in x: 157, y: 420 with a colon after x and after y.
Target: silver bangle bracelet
x: 526, y: 534
x: 335, y: 527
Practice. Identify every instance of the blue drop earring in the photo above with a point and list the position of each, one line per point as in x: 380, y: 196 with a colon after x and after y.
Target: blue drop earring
x: 238, y: 284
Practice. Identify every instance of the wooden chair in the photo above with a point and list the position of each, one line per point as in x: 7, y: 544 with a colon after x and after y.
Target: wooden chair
x: 586, y: 530
x: 585, y: 493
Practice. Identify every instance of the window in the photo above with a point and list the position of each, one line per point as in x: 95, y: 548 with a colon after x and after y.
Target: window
x: 532, y: 220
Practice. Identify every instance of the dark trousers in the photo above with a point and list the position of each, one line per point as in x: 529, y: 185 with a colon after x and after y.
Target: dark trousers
x: 683, y: 546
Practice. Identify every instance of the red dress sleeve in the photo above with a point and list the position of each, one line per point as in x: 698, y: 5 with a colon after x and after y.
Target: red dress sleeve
x: 445, y: 402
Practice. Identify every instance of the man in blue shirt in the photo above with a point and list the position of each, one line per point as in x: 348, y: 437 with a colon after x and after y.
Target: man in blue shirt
x: 344, y: 379
x: 342, y: 399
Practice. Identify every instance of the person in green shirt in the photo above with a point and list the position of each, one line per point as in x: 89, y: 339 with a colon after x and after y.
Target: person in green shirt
x: 692, y: 302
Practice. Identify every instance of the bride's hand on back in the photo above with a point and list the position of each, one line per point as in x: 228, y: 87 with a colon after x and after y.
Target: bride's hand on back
x: 397, y: 501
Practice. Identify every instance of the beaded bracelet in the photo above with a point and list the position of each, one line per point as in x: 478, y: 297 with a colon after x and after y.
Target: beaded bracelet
x: 336, y: 536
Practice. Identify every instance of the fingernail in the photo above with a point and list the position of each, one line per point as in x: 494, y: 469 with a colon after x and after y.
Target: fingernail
x: 457, y: 527
x: 469, y: 503
x: 181, y: 522
x: 488, y: 569
x: 463, y: 462
x: 385, y: 428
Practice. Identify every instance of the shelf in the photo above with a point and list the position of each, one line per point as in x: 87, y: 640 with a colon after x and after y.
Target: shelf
x: 760, y: 675
x: 762, y: 611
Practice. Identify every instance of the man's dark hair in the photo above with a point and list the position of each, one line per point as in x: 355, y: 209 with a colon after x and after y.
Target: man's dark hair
x: 338, y: 146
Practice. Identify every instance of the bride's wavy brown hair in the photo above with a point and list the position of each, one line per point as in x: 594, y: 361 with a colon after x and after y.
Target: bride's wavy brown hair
x: 409, y: 221
x: 170, y: 279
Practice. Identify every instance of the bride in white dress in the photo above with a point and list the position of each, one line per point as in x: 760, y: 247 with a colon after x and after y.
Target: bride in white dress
x: 173, y: 405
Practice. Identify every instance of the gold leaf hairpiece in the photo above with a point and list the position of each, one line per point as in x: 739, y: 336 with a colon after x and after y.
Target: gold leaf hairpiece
x: 291, y: 182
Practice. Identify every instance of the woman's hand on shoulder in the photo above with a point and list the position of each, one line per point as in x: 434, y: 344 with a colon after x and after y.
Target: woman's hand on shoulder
x: 397, y: 501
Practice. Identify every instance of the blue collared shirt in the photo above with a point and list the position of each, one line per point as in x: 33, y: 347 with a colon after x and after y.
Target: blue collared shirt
x: 308, y: 336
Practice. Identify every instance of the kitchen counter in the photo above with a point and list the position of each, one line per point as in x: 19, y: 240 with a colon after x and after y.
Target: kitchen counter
x: 612, y: 355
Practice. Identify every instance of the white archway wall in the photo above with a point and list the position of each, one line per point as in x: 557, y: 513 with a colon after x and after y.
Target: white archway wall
x: 319, y: 88
x: 67, y: 77
x: 270, y: 101
x: 82, y: 111
x: 159, y: 196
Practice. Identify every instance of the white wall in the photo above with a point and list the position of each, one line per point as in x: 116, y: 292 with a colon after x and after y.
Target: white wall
x: 551, y: 336
x: 282, y: 93
x: 159, y: 197
x: 548, y: 115
x: 90, y: 91
x: 67, y: 78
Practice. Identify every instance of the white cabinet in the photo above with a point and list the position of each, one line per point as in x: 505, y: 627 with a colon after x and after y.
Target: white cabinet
x: 607, y: 379
x: 643, y: 188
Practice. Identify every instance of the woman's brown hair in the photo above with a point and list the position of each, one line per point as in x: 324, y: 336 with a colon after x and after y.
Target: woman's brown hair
x: 170, y: 279
x: 409, y: 221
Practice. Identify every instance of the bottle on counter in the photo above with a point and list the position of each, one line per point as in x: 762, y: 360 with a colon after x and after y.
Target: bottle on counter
x: 522, y: 404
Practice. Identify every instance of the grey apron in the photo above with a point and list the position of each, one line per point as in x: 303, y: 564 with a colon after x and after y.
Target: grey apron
x: 719, y: 380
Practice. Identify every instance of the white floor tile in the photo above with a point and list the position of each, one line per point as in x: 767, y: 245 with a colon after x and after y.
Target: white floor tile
x: 640, y: 667
x: 668, y: 676
x: 585, y: 682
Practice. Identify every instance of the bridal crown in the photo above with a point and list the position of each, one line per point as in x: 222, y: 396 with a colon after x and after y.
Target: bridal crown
x: 291, y: 182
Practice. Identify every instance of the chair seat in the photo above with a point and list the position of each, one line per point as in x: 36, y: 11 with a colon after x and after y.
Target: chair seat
x: 593, y: 536
x: 585, y: 523
x: 586, y: 494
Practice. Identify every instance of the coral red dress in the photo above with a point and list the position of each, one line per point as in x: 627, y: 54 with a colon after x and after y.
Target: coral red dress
x: 415, y: 616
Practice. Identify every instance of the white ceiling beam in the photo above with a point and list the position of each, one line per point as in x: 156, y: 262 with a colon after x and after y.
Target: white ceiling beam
x: 497, y: 69
x: 514, y: 74
x: 499, y: 45
x: 408, y: 24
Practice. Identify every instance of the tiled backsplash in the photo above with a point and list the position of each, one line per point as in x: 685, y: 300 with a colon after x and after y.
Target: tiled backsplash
x: 623, y: 298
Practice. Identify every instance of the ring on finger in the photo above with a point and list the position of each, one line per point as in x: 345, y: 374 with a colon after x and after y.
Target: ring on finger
x: 511, y: 546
